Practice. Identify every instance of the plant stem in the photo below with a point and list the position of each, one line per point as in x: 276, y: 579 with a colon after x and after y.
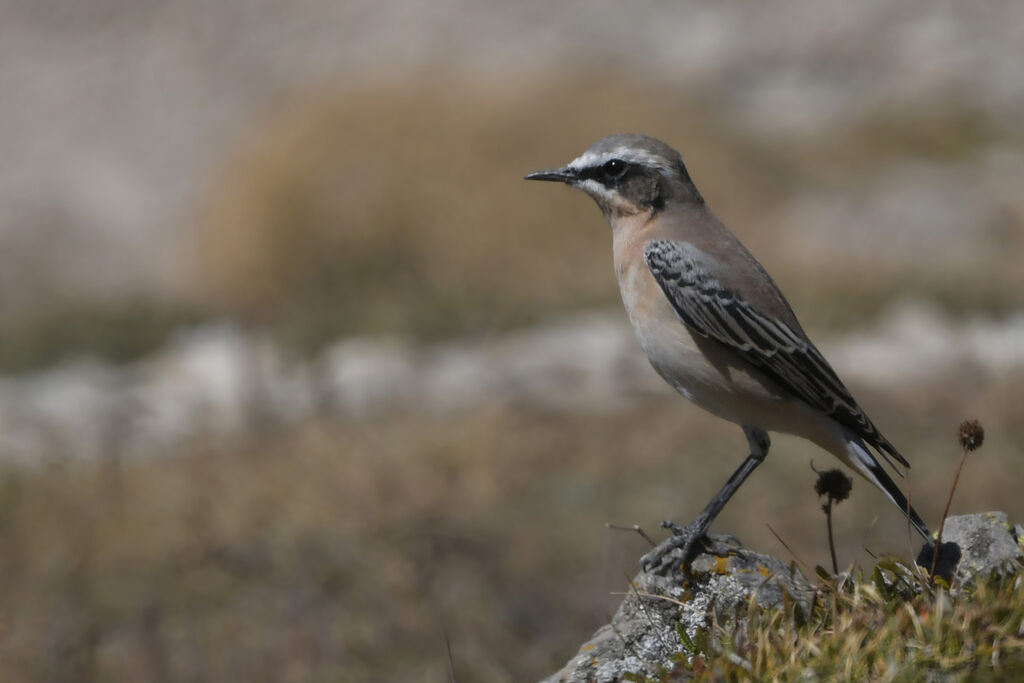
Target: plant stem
x: 831, y: 544
x: 945, y: 513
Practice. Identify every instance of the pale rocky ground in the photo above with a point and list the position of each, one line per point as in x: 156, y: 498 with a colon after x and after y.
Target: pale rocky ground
x: 218, y: 381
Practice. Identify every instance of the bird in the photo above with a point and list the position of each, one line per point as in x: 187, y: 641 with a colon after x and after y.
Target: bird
x: 716, y: 327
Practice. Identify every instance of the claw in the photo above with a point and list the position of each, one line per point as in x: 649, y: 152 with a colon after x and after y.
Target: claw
x: 676, y: 550
x: 673, y: 527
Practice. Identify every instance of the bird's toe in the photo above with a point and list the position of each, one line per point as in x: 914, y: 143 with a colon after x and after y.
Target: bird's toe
x: 676, y: 550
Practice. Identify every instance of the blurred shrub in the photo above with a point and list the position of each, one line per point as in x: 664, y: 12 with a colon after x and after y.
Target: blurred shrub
x: 117, y: 331
x: 403, y: 209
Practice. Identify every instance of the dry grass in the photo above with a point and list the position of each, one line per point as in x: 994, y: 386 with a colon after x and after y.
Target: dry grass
x: 403, y: 209
x: 118, y: 331
x: 888, y: 625
x: 349, y: 550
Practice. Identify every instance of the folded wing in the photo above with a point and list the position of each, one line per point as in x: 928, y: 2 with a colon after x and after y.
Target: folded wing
x: 787, y: 356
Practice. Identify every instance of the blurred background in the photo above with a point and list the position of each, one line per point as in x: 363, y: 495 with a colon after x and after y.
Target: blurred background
x: 300, y: 381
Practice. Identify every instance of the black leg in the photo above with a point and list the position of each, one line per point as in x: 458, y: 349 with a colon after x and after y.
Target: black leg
x: 682, y: 546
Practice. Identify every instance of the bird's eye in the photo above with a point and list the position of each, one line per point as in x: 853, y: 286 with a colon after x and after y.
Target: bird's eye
x: 614, y: 168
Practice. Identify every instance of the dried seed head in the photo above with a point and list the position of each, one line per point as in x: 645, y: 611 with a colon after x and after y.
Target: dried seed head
x: 971, y: 435
x: 834, y: 484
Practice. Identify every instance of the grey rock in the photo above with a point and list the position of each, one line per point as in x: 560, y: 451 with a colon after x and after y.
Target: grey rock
x: 988, y: 542
x: 642, y: 637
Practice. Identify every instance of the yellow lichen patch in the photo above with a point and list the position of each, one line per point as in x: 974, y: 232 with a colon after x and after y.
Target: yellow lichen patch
x: 721, y: 565
x: 764, y: 570
x: 587, y: 648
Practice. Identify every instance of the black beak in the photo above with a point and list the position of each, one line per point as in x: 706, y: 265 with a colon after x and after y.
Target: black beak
x: 561, y: 175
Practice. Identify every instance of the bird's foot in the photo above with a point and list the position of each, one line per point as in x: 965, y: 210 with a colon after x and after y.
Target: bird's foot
x: 677, y: 550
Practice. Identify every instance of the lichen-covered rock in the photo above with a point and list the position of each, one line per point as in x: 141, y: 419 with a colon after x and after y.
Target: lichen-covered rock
x: 643, y: 636
x: 987, y: 540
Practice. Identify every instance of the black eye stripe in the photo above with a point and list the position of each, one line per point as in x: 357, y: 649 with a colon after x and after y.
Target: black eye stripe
x: 603, y: 174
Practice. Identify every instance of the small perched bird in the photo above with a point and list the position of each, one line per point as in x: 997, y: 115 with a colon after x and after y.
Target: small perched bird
x: 716, y: 327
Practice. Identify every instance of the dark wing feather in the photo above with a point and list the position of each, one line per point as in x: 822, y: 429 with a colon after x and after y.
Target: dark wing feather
x: 712, y: 310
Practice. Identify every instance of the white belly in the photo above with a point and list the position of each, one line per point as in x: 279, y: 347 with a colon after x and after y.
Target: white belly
x: 702, y: 370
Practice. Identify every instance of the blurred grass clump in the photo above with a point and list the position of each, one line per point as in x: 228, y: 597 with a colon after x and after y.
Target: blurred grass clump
x: 119, y: 331
x: 331, y: 551
x: 403, y: 210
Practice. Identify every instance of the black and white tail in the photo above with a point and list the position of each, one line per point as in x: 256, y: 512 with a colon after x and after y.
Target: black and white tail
x: 865, y: 463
